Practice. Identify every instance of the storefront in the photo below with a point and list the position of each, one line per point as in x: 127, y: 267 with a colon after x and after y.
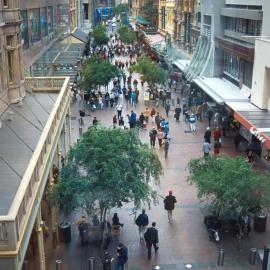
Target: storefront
x: 257, y: 124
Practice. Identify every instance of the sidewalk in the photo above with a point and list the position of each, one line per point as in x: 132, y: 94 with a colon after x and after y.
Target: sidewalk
x: 186, y: 239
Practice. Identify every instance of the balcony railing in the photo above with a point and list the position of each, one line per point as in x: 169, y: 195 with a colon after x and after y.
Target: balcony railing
x: 13, y: 225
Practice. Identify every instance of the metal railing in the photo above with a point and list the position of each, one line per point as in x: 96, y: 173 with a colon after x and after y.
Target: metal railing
x: 13, y: 225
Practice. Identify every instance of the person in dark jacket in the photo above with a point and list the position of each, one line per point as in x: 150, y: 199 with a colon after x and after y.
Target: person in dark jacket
x: 207, y: 135
x: 169, y: 203
x: 210, y: 114
x: 177, y: 112
x: 115, y: 221
x: 122, y: 257
x: 133, y: 119
x: 142, y: 223
x: 151, y: 239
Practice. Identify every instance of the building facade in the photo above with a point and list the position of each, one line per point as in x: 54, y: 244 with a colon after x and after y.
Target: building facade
x: 42, y: 23
x: 11, y: 68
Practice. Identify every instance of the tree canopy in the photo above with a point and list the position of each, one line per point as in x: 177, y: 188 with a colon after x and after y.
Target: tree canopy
x: 120, y: 8
x: 150, y: 71
x: 100, y: 36
x: 229, y: 184
x: 149, y: 10
x: 97, y: 72
x: 106, y: 168
x: 126, y: 35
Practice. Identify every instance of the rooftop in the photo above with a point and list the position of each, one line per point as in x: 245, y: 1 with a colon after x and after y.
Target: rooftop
x: 18, y: 139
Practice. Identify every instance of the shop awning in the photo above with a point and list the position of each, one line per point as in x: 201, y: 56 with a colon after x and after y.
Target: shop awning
x: 257, y: 122
x: 221, y: 90
x: 182, y: 64
x: 80, y: 35
x: 154, y: 39
x: 142, y: 20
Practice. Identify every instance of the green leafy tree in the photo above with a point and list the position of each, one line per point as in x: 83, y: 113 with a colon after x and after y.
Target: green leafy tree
x: 150, y: 71
x: 126, y: 35
x: 121, y: 8
x: 97, y: 72
x: 229, y: 184
x: 150, y: 11
x: 106, y: 168
x: 100, y: 36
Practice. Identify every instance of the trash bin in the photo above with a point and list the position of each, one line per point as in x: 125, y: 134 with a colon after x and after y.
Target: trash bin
x: 64, y: 229
x: 260, y: 222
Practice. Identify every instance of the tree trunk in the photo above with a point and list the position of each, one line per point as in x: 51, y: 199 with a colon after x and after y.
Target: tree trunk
x: 105, y: 232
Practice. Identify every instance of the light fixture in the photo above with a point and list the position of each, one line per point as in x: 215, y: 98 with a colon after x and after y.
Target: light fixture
x: 188, y: 266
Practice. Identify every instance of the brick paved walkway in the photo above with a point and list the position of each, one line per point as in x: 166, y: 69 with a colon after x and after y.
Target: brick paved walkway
x: 183, y: 241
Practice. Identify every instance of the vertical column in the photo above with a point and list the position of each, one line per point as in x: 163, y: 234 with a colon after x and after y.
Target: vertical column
x: 59, y: 154
x: 39, y: 233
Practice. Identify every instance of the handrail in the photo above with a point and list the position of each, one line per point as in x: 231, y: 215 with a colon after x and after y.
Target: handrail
x: 30, y: 182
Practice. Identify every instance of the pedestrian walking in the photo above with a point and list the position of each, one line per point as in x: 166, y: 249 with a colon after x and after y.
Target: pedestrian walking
x: 160, y: 136
x: 157, y: 120
x: 210, y: 114
x: 151, y: 239
x: 146, y: 114
x: 207, y: 135
x: 177, y: 112
x: 167, y: 108
x: 192, y: 122
x: 217, y: 135
x: 153, y: 113
x: 132, y: 119
x: 217, y: 146
x: 122, y: 257
x: 114, y: 121
x: 141, y: 119
x: 83, y: 228
x: 199, y: 112
x: 206, y: 148
x: 119, y: 108
x: 153, y: 135
x: 169, y: 203
x: 166, y: 146
x: 142, y: 223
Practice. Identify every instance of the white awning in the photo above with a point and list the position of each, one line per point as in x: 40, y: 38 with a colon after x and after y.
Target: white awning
x: 243, y: 106
x: 182, y: 64
x: 221, y: 90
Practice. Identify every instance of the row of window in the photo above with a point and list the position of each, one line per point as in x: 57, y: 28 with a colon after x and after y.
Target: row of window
x: 40, y: 22
x: 244, y: 26
x: 233, y: 66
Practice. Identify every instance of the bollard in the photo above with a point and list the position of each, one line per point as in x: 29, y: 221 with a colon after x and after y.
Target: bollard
x: 58, y: 264
x: 92, y: 263
x: 220, y: 257
x: 252, y: 256
x: 265, y: 257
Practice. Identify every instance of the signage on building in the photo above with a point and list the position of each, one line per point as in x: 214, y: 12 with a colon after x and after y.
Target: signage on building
x: 257, y: 134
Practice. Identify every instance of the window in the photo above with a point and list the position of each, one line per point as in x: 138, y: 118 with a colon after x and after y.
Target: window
x: 9, y: 40
x: 231, y: 65
x: 5, y: 3
x: 10, y: 66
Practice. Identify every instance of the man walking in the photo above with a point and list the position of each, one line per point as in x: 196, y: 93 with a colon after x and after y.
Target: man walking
x: 153, y: 135
x: 206, y: 149
x: 142, y: 222
x: 169, y: 203
x: 122, y: 257
x: 167, y: 108
x: 151, y: 239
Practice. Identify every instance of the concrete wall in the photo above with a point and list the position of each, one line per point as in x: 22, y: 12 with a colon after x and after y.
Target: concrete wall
x: 251, y: 14
x: 266, y: 19
x: 245, y: 2
x: 260, y: 93
x: 213, y: 9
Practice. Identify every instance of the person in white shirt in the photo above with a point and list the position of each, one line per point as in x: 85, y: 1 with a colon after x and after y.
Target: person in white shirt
x: 119, y: 108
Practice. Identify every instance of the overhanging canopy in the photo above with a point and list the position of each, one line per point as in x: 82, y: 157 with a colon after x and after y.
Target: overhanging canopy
x: 80, y: 35
x: 142, y: 20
